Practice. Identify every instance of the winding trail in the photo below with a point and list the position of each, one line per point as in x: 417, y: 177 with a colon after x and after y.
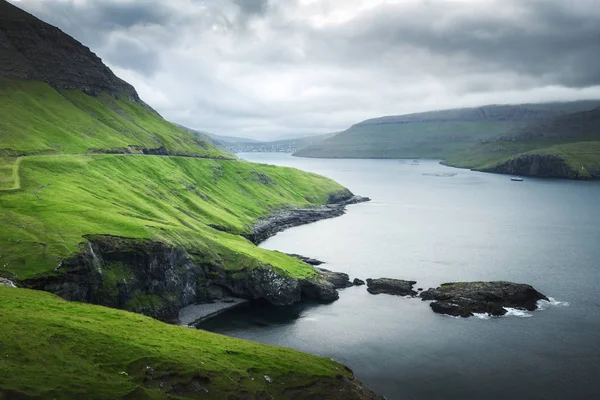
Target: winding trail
x: 16, y: 178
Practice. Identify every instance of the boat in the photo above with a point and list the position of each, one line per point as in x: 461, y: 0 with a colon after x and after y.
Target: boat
x: 516, y: 179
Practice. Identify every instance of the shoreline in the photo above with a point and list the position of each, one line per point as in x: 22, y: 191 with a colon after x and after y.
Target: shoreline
x: 291, y: 217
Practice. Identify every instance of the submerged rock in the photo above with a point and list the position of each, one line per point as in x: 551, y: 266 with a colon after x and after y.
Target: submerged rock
x: 463, y: 299
x: 358, y: 282
x: 396, y: 287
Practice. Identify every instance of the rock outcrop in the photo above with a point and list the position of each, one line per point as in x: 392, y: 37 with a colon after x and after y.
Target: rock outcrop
x: 290, y: 217
x: 308, y: 260
x: 339, y: 280
x: 542, y: 165
x: 32, y: 49
x: 395, y: 287
x: 155, y: 279
x: 467, y: 298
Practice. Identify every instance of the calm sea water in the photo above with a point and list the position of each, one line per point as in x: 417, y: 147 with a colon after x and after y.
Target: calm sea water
x: 435, y: 224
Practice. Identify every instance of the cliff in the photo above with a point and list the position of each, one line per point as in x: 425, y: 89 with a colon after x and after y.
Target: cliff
x: 34, y: 50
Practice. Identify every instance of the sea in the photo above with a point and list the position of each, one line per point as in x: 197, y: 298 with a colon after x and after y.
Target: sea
x: 435, y: 224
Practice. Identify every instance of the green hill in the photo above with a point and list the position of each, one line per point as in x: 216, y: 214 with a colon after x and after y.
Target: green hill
x: 436, y: 134
x: 53, y: 349
x: 103, y: 201
x: 567, y: 146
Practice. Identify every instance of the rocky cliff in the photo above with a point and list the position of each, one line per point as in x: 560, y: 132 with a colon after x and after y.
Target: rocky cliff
x: 540, y: 165
x: 32, y: 49
x: 155, y: 279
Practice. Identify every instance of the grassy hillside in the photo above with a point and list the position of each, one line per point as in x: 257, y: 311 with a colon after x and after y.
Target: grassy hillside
x: 54, y: 349
x: 437, y: 135
x: 572, y: 140
x: 178, y: 200
x: 39, y: 119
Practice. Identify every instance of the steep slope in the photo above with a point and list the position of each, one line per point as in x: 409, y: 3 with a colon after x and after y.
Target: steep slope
x: 96, y: 196
x: 53, y: 349
x: 567, y: 146
x: 437, y: 134
x: 103, y: 201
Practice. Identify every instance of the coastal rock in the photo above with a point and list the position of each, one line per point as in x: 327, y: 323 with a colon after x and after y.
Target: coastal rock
x: 358, y: 282
x: 290, y: 217
x: 395, y: 287
x: 467, y: 298
x: 542, y: 165
x: 338, y: 279
x: 157, y: 279
x: 308, y: 260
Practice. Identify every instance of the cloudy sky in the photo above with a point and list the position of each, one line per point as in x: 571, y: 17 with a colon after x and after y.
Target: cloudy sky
x: 277, y: 68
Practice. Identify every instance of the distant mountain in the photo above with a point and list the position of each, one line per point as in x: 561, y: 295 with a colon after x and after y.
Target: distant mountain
x: 435, y: 134
x: 278, y: 146
x: 566, y: 146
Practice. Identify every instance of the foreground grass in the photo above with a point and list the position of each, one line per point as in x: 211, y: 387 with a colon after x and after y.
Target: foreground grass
x: 200, y: 204
x: 56, y: 349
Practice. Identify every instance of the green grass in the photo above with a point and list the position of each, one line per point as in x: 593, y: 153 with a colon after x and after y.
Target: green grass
x: 9, y: 173
x: 51, y: 348
x: 176, y: 200
x: 37, y: 119
x: 583, y: 157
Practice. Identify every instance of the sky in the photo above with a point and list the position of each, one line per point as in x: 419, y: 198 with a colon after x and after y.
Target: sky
x: 271, y: 69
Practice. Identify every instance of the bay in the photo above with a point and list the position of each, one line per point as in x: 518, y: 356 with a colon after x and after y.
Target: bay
x: 435, y: 224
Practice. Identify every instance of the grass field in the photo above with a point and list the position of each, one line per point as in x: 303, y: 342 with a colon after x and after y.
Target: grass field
x: 38, y: 119
x: 54, y: 349
x: 171, y: 199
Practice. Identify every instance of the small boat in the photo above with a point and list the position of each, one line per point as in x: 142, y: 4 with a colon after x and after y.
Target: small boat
x: 516, y: 179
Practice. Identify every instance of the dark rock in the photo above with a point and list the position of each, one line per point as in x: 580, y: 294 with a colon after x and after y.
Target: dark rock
x: 420, y: 289
x: 157, y: 279
x: 339, y: 280
x: 391, y: 286
x: 33, y: 49
x: 466, y: 298
x: 290, y: 217
x: 542, y: 165
x: 358, y: 282
x: 308, y: 260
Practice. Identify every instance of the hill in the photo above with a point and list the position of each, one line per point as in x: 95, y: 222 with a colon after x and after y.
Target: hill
x: 103, y: 201
x: 54, y: 349
x: 276, y: 146
x: 436, y: 134
x: 567, y: 146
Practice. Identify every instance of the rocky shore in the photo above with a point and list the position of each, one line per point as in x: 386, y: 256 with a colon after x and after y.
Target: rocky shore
x: 463, y: 299
x: 395, y: 287
x: 290, y: 217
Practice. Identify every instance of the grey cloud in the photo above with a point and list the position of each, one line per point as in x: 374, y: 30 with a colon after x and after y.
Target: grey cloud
x: 267, y: 69
x: 253, y: 7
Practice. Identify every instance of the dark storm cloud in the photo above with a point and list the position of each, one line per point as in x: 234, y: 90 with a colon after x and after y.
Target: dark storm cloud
x: 253, y: 7
x: 267, y: 68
